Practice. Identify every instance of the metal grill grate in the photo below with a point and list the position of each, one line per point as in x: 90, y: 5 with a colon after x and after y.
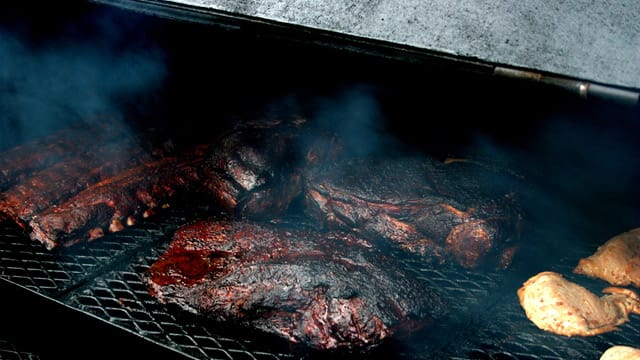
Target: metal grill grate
x: 104, y: 278
x: 8, y: 351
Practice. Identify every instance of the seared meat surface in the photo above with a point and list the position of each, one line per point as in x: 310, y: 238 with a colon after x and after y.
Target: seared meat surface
x: 18, y: 163
x: 458, y: 211
x: 326, y: 291
x: 120, y: 200
x: 255, y: 168
x: 560, y: 306
x: 62, y: 180
x: 617, y: 261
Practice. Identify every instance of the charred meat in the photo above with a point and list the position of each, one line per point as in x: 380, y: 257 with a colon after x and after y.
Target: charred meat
x: 560, y: 306
x: 255, y: 168
x: 326, y: 291
x: 17, y: 163
x: 62, y: 180
x: 120, y: 200
x: 458, y: 211
x: 617, y: 261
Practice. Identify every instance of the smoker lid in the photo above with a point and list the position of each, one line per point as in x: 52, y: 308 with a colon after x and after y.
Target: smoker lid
x: 596, y: 41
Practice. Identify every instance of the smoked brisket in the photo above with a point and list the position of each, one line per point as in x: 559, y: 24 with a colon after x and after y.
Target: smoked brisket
x: 457, y: 211
x: 322, y: 290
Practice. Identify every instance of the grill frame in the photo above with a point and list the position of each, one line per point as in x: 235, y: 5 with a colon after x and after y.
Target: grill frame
x: 102, y: 279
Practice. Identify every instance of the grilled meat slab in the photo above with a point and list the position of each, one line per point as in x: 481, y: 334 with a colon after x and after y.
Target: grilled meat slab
x: 17, y: 163
x: 617, y: 261
x: 60, y: 181
x: 120, y: 200
x: 440, y: 211
x: 560, y: 306
x: 260, y: 163
x: 326, y: 291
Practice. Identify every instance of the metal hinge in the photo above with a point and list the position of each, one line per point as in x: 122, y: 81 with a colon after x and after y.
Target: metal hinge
x: 582, y: 88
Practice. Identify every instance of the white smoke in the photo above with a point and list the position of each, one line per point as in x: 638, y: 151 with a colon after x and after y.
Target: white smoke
x: 71, y: 76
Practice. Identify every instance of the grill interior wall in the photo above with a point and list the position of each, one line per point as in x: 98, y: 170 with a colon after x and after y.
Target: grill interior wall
x: 579, y: 155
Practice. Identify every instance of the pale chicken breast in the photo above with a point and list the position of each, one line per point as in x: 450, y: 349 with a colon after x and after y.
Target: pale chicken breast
x: 617, y: 261
x: 557, y: 305
x: 621, y: 352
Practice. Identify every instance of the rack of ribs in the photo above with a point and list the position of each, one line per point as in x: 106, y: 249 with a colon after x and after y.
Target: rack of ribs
x: 56, y: 183
x: 320, y: 290
x: 440, y: 211
x: 123, y: 199
x: 19, y: 162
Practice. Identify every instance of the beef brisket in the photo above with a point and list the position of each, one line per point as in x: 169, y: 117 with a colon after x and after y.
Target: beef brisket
x: 120, y: 200
x: 325, y: 291
x: 458, y: 211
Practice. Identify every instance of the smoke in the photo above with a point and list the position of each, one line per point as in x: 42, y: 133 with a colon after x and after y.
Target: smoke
x: 579, y: 176
x: 355, y: 115
x: 74, y: 74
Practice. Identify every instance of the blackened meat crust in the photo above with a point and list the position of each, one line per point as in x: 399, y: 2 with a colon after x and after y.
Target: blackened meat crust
x: 259, y: 163
x: 325, y: 291
x: 56, y: 183
x: 123, y: 199
x: 443, y: 212
x: 17, y: 163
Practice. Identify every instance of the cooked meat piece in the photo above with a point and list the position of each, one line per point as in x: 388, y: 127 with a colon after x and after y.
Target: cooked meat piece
x: 219, y: 189
x: 19, y: 162
x: 325, y: 291
x: 440, y: 211
x: 62, y: 180
x: 262, y: 161
x: 557, y: 305
x: 122, y: 199
x: 621, y: 352
x: 616, y: 261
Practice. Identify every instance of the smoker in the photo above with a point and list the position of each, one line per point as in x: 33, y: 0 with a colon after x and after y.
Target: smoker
x: 551, y: 94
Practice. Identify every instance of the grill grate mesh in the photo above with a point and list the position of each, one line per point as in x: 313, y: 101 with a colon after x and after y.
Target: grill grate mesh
x: 9, y: 351
x: 104, y: 278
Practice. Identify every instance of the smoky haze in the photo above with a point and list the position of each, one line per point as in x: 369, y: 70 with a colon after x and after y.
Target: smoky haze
x: 80, y: 71
x: 580, y: 171
x: 351, y: 111
x: 354, y: 113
